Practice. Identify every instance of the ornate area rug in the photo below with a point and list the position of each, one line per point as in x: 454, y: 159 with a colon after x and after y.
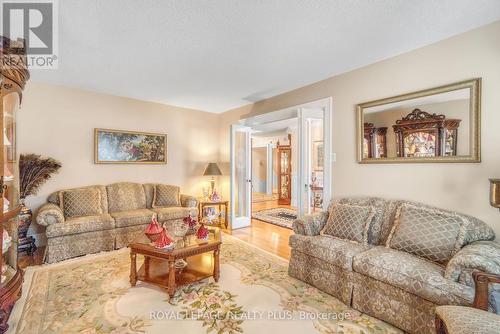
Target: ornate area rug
x: 278, y: 216
x: 254, y: 295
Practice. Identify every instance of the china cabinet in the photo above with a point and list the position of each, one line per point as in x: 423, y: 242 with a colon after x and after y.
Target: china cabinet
x: 375, y: 141
x: 420, y: 134
x: 284, y: 173
x: 13, y: 77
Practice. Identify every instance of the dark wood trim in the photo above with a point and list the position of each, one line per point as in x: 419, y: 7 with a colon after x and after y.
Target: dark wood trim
x: 482, y: 281
x: 9, y: 294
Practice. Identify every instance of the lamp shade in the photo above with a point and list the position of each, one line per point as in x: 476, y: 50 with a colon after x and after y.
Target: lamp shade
x: 212, y: 170
x: 495, y: 193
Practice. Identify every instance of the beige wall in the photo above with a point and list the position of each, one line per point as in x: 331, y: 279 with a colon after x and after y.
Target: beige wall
x: 59, y: 122
x: 259, y: 169
x: 461, y: 187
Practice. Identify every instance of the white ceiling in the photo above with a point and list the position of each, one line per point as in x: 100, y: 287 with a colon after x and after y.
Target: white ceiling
x: 221, y: 54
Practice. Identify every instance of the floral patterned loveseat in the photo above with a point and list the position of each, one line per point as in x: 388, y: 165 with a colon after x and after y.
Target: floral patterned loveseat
x: 98, y: 218
x: 407, y: 259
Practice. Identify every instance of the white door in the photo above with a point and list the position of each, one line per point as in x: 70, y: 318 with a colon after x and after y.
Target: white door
x: 314, y: 163
x: 241, y: 178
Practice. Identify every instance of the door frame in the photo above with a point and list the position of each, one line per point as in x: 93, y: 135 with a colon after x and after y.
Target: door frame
x: 294, y: 112
x: 245, y: 220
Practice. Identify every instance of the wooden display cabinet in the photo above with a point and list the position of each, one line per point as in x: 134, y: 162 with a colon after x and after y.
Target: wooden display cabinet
x: 285, y: 173
x: 375, y: 141
x: 421, y: 134
x: 13, y: 78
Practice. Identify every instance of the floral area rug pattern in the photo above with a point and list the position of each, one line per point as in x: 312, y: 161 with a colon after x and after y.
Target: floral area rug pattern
x: 254, y: 295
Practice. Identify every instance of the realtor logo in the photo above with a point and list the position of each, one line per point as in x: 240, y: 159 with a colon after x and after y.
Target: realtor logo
x: 36, y: 22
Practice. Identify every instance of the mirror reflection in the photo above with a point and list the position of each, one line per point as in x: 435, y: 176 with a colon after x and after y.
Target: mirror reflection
x: 437, y: 125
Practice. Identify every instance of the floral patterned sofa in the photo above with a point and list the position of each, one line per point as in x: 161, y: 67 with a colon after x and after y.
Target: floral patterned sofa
x: 98, y: 218
x: 394, y: 260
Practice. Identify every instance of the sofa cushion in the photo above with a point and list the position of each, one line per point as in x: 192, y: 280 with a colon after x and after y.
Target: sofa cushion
x: 80, y: 202
x: 349, y: 222
x: 133, y: 217
x: 332, y: 250
x: 466, y: 320
x: 412, y: 274
x: 126, y: 196
x: 383, y: 219
x: 149, y: 190
x: 166, y: 196
x: 435, y: 235
x: 174, y: 213
x: 79, y: 225
x: 54, y: 198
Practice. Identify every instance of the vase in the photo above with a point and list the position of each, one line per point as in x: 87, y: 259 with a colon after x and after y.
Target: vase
x: 180, y: 229
x: 26, y: 244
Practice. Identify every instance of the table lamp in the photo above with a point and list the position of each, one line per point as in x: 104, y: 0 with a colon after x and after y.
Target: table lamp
x: 212, y: 170
x: 495, y: 193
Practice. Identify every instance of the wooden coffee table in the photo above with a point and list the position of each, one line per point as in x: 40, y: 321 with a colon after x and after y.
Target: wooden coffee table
x: 159, y: 265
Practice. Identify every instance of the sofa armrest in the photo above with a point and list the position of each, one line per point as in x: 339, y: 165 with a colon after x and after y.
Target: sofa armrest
x: 49, y: 214
x: 310, y: 225
x: 482, y: 282
x: 481, y: 256
x: 189, y: 201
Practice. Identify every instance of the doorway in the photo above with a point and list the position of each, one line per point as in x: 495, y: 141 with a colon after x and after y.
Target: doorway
x: 278, y: 155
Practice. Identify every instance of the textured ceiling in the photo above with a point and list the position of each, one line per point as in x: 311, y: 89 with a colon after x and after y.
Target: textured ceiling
x: 220, y: 54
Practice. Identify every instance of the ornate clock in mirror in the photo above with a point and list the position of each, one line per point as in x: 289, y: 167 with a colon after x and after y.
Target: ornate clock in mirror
x: 439, y: 124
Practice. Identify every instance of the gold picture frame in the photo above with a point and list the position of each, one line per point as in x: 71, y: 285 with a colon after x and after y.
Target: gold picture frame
x: 129, y: 147
x: 474, y: 155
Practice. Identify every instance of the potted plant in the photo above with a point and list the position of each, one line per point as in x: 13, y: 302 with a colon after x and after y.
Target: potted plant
x: 34, y: 171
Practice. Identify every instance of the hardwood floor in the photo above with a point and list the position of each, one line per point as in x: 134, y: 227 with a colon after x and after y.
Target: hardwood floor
x: 268, y: 237
x: 35, y: 260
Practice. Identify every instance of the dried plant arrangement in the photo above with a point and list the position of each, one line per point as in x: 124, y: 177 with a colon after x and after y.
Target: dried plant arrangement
x: 34, y: 171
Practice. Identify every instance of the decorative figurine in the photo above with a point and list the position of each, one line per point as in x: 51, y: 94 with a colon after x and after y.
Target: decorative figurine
x: 164, y: 242
x: 215, y: 197
x: 153, y: 230
x: 202, y: 233
x: 191, y: 223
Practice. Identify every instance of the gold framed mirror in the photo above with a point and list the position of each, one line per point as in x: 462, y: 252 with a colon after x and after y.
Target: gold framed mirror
x: 440, y: 124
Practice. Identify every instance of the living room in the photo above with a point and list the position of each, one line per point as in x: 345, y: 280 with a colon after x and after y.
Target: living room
x: 127, y: 167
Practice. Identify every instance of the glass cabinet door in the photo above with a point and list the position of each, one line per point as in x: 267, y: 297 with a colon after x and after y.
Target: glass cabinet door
x: 285, y: 175
x: 10, y: 198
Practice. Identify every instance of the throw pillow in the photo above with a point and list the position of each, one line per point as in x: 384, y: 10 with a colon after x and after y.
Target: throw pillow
x: 349, y: 222
x: 166, y: 196
x: 80, y: 202
x: 432, y: 234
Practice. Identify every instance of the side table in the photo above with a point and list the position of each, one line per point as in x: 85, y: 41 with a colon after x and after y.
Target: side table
x: 203, y: 204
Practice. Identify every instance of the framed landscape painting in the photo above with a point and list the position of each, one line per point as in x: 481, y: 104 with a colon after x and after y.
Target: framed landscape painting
x: 128, y: 147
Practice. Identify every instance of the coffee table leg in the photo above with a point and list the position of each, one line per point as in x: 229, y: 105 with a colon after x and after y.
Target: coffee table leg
x: 225, y: 216
x: 146, y: 266
x: 133, y: 271
x: 171, y: 278
x: 216, y: 265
